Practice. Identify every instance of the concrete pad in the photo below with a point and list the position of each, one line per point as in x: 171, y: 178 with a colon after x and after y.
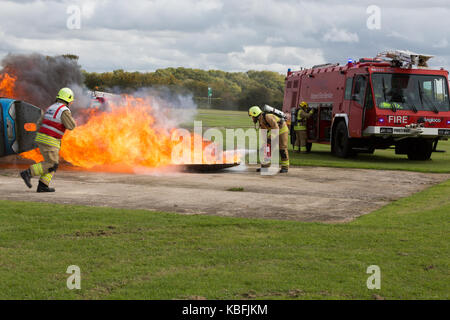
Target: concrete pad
x: 304, y: 194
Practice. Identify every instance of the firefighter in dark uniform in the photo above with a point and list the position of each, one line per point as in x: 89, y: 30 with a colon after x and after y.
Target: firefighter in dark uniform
x: 270, y: 121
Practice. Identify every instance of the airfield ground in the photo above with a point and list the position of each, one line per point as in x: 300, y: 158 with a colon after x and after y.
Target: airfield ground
x: 310, y: 194
x: 234, y: 234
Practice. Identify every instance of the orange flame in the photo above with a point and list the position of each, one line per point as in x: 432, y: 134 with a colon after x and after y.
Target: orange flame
x: 125, y: 137
x: 33, y: 155
x: 7, y: 85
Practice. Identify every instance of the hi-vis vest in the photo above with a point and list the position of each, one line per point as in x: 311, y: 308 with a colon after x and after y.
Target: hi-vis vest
x: 301, y: 122
x: 52, y: 128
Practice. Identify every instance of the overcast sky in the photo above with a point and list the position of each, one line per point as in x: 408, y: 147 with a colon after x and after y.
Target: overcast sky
x: 231, y: 35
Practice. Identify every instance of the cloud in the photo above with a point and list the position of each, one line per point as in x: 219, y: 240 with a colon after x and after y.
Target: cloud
x: 276, y: 59
x: 337, y: 35
x: 441, y: 44
x: 226, y: 34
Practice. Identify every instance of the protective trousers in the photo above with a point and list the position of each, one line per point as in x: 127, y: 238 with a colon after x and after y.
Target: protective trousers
x: 300, y: 140
x: 47, y: 168
x: 284, y: 154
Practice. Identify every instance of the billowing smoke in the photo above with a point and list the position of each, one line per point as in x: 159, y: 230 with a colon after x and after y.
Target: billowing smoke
x: 39, y: 77
x: 169, y: 108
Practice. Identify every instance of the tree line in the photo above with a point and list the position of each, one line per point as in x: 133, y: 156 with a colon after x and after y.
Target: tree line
x: 230, y: 90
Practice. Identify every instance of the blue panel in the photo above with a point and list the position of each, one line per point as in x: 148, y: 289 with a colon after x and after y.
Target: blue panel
x: 9, y: 127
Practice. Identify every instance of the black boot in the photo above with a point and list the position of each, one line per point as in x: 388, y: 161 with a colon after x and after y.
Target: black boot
x: 283, y: 170
x: 42, y: 187
x: 26, y: 176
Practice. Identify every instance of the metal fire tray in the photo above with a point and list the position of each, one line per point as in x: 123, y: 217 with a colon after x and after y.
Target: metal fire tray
x: 206, y: 168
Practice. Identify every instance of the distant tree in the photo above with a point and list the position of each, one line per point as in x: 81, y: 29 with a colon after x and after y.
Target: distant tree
x: 257, y: 95
x: 230, y: 89
x: 71, y: 56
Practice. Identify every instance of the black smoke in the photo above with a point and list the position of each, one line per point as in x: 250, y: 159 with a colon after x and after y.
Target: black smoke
x: 39, y: 77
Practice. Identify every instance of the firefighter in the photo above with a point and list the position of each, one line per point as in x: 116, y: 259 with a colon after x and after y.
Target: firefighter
x: 302, y: 115
x: 51, y: 127
x: 270, y: 121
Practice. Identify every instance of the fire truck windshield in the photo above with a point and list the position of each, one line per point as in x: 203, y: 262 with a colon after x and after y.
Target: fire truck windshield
x: 410, y: 92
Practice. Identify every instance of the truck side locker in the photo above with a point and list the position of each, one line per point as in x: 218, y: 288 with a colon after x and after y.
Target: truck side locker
x: 316, y: 123
x: 324, y: 121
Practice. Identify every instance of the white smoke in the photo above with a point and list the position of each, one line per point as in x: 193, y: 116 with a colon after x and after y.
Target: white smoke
x: 170, y: 109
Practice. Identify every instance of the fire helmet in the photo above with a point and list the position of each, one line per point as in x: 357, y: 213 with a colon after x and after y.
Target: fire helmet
x: 65, y: 94
x: 303, y: 104
x: 254, y: 111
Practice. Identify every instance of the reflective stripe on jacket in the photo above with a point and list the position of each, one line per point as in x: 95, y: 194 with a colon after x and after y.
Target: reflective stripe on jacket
x: 301, y: 120
x: 48, y: 140
x: 52, y: 125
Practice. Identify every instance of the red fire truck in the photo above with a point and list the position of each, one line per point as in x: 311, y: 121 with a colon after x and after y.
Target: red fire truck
x: 393, y: 99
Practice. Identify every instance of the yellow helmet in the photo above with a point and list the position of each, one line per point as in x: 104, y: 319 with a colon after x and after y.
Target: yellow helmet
x: 254, y: 111
x: 65, y: 94
x: 303, y: 104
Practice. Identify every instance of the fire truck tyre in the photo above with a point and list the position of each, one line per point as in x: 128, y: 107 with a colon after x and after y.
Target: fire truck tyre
x: 420, y: 150
x: 341, y: 141
x: 308, y: 146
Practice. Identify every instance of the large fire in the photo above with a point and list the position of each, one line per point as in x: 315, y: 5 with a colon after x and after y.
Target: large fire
x: 7, y: 85
x: 128, y: 136
x: 124, y: 137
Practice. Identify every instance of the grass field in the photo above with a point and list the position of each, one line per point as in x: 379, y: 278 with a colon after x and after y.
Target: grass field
x: 321, y: 156
x: 382, y: 159
x: 136, y: 254
x: 223, y: 119
x: 126, y: 254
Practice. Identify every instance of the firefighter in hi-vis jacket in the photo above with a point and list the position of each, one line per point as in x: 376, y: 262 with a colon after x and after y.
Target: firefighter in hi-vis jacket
x: 270, y: 121
x: 302, y: 115
x: 51, y: 127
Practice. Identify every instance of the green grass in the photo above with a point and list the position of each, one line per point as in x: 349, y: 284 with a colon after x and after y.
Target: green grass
x: 128, y: 254
x: 382, y: 159
x: 222, y: 119
x: 236, y: 189
x: 321, y: 156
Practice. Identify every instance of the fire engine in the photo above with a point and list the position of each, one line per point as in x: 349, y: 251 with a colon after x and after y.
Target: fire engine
x: 394, y: 99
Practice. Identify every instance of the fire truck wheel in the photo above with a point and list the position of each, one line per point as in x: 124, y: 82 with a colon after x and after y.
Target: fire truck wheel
x: 420, y: 149
x: 341, y: 142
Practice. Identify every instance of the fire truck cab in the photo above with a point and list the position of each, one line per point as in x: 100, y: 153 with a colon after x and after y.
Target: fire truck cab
x: 393, y: 99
